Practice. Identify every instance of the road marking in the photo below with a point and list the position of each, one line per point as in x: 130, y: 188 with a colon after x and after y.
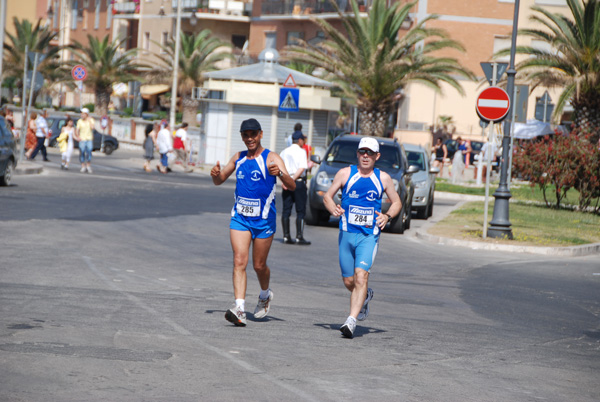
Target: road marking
x: 182, y: 331
x: 596, y: 274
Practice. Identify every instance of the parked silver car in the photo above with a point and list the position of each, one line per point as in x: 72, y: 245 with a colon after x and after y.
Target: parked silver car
x: 423, y: 180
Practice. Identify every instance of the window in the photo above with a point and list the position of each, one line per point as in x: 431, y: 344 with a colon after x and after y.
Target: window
x: 109, y: 7
x: 146, y: 41
x: 500, y: 43
x: 164, y: 41
x: 238, y: 41
x: 559, y: 3
x: 270, y: 40
x: 97, y: 15
x: 292, y: 37
x: 74, y: 14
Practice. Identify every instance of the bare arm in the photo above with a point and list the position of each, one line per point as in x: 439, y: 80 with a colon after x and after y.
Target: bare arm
x: 340, y: 178
x: 390, y: 191
x: 276, y: 165
x: 220, y: 175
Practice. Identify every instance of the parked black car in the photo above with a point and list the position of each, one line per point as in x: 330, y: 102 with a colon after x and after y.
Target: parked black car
x: 56, y: 123
x: 452, y: 146
x: 8, y: 154
x: 342, y: 153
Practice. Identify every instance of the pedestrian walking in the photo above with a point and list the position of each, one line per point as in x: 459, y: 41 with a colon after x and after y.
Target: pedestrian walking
x: 164, y: 146
x: 41, y: 133
x: 65, y: 141
x: 181, y: 146
x: 84, y: 133
x: 361, y: 222
x: 296, y: 164
x: 441, y: 153
x: 149, y: 146
x: 253, y: 217
x: 30, y: 138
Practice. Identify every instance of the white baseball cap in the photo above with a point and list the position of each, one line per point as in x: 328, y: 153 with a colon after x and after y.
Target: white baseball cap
x: 369, y: 143
x: 85, y: 110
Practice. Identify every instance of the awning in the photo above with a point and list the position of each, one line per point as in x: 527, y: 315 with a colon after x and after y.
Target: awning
x: 148, y: 90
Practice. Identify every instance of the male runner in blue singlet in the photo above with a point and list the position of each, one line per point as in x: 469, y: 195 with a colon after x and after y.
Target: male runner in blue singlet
x: 361, y: 222
x: 253, y: 217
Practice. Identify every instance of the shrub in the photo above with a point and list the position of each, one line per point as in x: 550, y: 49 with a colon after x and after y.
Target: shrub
x: 565, y: 161
x: 90, y: 107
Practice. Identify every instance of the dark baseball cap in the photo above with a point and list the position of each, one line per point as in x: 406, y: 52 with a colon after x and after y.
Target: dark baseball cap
x: 250, y: 124
x: 298, y: 135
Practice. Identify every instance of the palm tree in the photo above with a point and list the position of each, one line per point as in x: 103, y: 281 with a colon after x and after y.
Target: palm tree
x: 571, y: 62
x: 37, y: 39
x: 199, y: 53
x: 370, y: 62
x: 106, y: 64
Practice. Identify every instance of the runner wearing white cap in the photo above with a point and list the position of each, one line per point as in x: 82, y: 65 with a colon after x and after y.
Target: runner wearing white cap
x: 361, y: 222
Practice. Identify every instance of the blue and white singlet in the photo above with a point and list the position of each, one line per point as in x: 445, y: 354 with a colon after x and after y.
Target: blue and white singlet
x: 254, y: 190
x: 361, y: 197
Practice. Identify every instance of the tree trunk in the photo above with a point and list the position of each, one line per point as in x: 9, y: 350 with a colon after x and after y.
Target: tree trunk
x: 587, y: 115
x: 190, y: 110
x: 102, y: 100
x: 373, y: 120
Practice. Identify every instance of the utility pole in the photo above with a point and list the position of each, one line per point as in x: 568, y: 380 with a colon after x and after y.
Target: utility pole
x: 500, y: 224
x: 2, y: 29
x: 175, y: 65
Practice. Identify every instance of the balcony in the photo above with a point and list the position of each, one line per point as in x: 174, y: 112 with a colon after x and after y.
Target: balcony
x: 128, y: 7
x: 223, y: 7
x: 303, y: 7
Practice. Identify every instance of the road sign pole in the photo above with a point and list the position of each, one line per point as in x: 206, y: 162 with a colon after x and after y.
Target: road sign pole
x: 24, y: 121
x: 487, y: 164
x: 32, y: 84
x: 500, y: 224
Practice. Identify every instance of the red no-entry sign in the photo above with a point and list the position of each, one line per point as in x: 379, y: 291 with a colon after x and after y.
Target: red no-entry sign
x: 493, y: 104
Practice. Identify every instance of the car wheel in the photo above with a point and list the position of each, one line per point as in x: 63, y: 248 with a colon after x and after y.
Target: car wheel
x: 6, y: 178
x: 108, y: 148
x: 397, y: 224
x: 430, y: 208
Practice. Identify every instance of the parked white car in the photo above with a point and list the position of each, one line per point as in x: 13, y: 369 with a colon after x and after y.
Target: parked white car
x: 423, y: 180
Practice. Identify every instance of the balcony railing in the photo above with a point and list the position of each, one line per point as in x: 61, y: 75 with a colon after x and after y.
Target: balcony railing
x: 129, y: 7
x: 191, y: 4
x: 300, y: 7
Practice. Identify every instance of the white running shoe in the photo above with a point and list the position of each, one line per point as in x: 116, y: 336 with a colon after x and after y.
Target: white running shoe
x: 364, y: 311
x: 82, y: 170
x: 348, y: 328
x: 89, y: 169
x: 263, y: 306
x: 236, y: 316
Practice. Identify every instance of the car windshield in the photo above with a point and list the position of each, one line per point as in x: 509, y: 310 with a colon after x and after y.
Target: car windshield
x: 345, y: 152
x: 416, y: 158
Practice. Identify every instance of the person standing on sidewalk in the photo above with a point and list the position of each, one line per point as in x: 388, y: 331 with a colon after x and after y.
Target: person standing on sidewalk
x: 361, y: 222
x: 41, y: 133
x: 253, y: 217
x: 164, y: 146
x: 296, y: 164
x: 84, y: 133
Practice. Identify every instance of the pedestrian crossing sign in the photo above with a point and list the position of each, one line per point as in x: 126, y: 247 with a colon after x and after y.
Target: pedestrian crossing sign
x: 288, y: 99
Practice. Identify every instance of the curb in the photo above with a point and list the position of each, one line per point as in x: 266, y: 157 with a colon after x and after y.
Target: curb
x: 574, y: 251
x: 28, y: 168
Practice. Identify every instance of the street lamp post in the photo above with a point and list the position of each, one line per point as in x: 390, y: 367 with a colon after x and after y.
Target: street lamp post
x: 500, y: 224
x: 175, y: 65
x: 2, y: 25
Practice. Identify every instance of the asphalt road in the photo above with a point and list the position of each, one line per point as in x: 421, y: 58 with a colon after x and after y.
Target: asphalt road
x: 113, y: 287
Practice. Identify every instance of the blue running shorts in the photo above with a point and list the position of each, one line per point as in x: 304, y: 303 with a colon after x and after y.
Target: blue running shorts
x: 260, y: 229
x: 357, y: 250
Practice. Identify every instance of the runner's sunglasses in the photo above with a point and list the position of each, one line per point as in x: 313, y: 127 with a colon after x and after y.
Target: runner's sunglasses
x: 366, y: 151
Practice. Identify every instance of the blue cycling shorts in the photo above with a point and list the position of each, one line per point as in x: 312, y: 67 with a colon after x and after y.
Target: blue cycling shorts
x: 357, y: 250
x: 259, y: 229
